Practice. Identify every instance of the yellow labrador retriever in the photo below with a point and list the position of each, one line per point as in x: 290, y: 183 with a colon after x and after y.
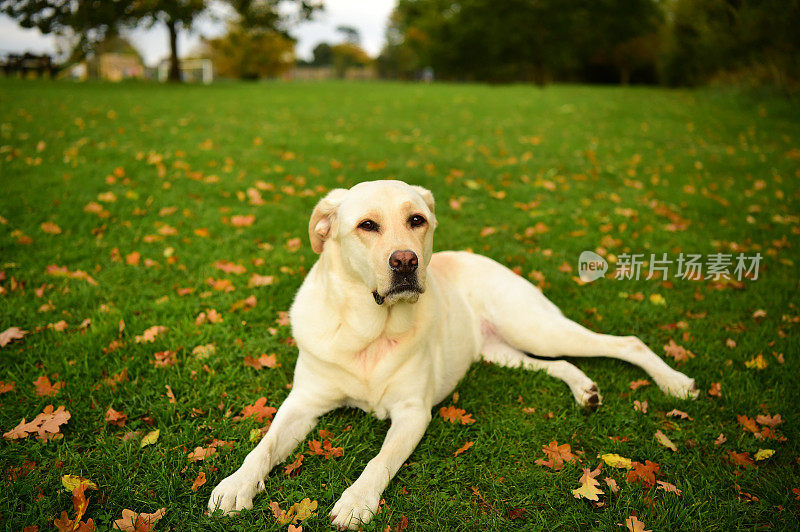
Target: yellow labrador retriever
x: 384, y: 324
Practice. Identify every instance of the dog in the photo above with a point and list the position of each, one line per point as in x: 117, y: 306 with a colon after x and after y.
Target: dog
x: 384, y: 324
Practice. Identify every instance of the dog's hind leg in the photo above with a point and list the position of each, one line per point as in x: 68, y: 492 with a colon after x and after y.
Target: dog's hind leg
x: 582, y: 387
x: 519, y: 315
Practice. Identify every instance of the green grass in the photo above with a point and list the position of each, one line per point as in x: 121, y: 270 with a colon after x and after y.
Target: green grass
x: 721, y: 160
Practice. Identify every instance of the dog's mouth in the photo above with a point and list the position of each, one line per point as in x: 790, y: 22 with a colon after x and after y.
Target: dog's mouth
x: 407, y: 290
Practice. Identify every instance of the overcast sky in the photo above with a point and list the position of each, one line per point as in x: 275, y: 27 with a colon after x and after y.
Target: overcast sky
x: 368, y: 16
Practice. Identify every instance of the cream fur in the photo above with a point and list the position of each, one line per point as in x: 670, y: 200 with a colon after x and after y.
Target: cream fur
x: 400, y: 358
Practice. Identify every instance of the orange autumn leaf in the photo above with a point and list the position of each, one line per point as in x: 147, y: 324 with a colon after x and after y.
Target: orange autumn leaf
x: 138, y: 522
x: 201, y: 453
x: 644, y: 473
x: 11, y: 334
x: 634, y: 525
x: 243, y: 220
x: 51, y: 228
x: 258, y: 410
x: 557, y: 455
x: 63, y: 271
x: 132, y: 258
x: 293, y: 469
x: 263, y: 361
x: 44, y: 388
x: 80, y: 504
x: 325, y: 449
x: 114, y: 417
x: 260, y: 280
x: 199, y: 481
x: 589, y: 486
x: 742, y: 459
x: 229, y: 267
x: 769, y: 421
x: 6, y: 387
x: 680, y: 354
x: 639, y: 383
x: 453, y: 414
x: 463, y: 448
x: 748, y: 424
x: 715, y: 390
x: 150, y: 334
x: 46, y: 425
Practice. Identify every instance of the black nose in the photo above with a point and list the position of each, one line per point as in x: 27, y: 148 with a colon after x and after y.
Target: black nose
x: 404, y: 262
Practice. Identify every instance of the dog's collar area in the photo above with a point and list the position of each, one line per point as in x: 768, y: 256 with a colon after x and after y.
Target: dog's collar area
x: 379, y: 299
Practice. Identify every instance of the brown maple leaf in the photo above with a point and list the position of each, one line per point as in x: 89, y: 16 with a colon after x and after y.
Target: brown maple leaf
x: 263, y: 361
x: 453, y: 414
x: 639, y: 383
x: 149, y: 335
x: 6, y: 387
x: 715, y: 390
x: 164, y: 359
x: 769, y: 421
x: 293, y: 469
x: 742, y: 459
x: 114, y: 417
x: 229, y: 267
x: 201, y: 453
x: 11, y: 334
x: 644, y: 473
x: 44, y: 388
x: 748, y: 424
x: 557, y: 455
x: 463, y: 448
x: 680, y: 354
x: 258, y: 410
x: 199, y: 481
x: 138, y: 522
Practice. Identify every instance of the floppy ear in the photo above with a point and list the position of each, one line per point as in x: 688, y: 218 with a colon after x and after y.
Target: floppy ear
x: 322, y: 218
x: 427, y: 196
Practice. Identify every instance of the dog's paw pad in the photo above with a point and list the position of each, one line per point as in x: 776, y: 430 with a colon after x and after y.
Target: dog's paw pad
x: 591, y: 398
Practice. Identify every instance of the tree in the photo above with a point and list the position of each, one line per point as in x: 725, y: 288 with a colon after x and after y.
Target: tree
x: 93, y: 19
x: 347, y: 55
x: 323, y: 55
x: 89, y: 20
x: 251, y: 53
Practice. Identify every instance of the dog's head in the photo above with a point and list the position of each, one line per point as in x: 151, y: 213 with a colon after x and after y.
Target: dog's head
x: 382, y: 232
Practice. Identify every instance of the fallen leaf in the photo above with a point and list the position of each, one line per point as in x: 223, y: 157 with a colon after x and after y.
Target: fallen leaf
x: 263, y: 361
x: 201, y: 352
x: 720, y: 439
x: 260, y: 280
x: 670, y: 488
x: 639, y: 383
x: 742, y: 459
x: 769, y: 421
x: 149, y: 335
x: 114, y: 417
x: 10, y: 334
x: 680, y: 414
x: 51, y: 228
x: 229, y: 267
x: 612, y: 484
x: 680, y: 354
x: 45, y: 425
x: 715, y: 390
x: 6, y: 387
x: 640, y: 406
x: 763, y: 454
x: 325, y: 449
x: 199, y: 481
x: 201, y: 453
x: 666, y: 442
x: 453, y: 414
x: 70, y: 482
x: 748, y: 424
x: 244, y: 220
x: 44, y: 388
x: 758, y: 363
x: 644, y: 473
x: 293, y: 469
x: 589, y: 488
x: 463, y: 448
x: 138, y: 522
x: 615, y: 460
x: 557, y: 455
x: 150, y: 438
x: 258, y: 410
x: 634, y: 525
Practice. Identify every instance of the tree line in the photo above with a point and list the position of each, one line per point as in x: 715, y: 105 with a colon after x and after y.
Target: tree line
x: 674, y: 42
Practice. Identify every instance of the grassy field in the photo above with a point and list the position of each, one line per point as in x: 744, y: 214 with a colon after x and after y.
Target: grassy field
x: 145, y: 188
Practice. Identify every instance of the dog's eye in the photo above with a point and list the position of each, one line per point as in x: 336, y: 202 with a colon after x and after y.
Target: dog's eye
x: 368, y: 225
x: 416, y: 220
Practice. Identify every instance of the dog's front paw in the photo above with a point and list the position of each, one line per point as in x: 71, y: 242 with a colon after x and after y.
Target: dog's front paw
x: 355, y: 508
x: 680, y: 386
x: 235, y: 493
